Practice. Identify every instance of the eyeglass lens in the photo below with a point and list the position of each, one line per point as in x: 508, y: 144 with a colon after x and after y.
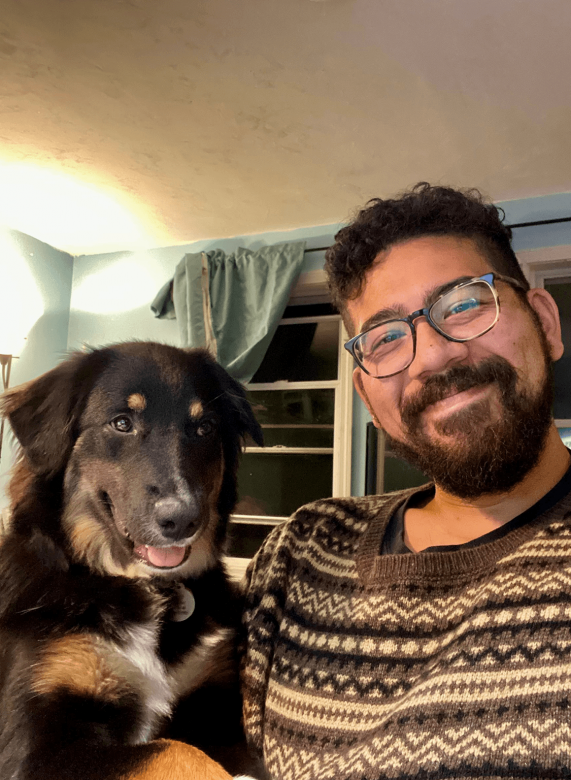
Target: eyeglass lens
x: 464, y: 313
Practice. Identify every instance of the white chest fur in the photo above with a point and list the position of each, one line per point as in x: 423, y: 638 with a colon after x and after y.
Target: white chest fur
x: 158, y: 685
x: 153, y: 681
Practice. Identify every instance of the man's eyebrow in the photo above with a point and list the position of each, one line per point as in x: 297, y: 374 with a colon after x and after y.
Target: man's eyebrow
x: 398, y: 312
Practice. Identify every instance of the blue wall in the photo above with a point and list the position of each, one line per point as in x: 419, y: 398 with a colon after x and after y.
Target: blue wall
x: 48, y: 274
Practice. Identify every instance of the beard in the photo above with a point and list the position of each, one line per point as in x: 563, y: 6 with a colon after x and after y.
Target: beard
x: 484, y: 453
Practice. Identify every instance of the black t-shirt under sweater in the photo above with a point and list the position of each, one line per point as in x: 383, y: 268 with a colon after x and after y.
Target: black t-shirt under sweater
x: 393, y: 540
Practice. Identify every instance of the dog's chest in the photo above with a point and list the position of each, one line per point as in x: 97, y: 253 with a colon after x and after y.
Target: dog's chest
x: 160, y: 684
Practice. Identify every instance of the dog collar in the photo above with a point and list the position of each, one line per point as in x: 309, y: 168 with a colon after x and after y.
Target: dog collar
x: 185, y: 604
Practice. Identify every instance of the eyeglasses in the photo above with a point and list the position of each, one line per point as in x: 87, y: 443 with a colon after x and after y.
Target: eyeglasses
x: 465, y: 312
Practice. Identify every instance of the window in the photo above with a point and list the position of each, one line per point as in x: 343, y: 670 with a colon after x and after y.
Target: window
x: 551, y: 268
x: 302, y: 398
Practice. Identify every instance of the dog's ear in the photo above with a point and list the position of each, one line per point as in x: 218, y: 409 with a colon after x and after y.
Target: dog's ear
x: 44, y: 413
x: 242, y: 414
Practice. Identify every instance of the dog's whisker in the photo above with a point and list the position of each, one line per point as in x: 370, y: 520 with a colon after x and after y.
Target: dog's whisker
x: 30, y: 609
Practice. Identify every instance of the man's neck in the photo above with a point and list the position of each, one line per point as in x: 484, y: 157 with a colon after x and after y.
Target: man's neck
x: 449, y: 520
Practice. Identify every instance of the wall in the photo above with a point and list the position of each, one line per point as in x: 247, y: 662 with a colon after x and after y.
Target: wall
x: 533, y: 210
x: 36, y: 291
x: 110, y: 295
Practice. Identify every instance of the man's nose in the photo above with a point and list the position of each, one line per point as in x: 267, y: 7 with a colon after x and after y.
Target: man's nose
x: 434, y: 352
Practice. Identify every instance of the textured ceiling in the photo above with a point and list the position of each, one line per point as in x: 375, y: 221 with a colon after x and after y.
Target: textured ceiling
x: 189, y: 119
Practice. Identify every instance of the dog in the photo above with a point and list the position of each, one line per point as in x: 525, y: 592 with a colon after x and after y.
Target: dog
x: 117, y: 619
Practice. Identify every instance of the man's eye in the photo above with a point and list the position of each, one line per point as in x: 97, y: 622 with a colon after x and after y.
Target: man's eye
x: 386, y: 339
x: 462, y: 307
x: 122, y: 424
x: 389, y: 337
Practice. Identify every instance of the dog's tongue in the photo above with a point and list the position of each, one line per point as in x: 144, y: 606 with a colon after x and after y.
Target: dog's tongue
x: 165, y: 557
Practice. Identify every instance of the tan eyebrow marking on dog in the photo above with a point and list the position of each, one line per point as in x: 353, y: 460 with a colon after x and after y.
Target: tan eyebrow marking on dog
x: 79, y: 664
x: 137, y: 402
x: 196, y: 409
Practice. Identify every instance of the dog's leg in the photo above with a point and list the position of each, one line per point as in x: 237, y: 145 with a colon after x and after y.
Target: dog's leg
x: 175, y: 760
x: 89, y: 712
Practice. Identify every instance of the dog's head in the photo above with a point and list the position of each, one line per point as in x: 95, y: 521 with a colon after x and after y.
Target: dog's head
x: 147, y: 437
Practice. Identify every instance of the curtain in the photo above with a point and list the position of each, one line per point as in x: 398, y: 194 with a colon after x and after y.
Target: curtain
x: 232, y: 304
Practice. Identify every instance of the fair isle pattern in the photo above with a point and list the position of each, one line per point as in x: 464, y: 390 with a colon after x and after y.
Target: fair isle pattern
x: 436, y: 665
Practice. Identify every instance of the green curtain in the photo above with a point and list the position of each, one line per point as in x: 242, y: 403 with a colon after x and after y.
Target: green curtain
x: 232, y: 304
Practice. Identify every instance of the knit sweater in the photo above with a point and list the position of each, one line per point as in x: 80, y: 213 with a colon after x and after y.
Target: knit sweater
x: 361, y: 666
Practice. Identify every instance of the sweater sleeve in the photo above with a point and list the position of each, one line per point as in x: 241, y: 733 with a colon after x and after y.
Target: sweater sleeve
x: 266, y: 586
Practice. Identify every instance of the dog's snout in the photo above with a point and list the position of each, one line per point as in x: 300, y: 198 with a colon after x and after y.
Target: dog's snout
x: 177, y: 519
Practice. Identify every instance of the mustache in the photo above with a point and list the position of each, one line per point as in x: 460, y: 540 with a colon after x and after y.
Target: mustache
x: 456, y: 380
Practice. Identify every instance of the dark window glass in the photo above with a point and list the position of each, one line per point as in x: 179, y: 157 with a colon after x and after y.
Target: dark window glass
x: 244, y: 540
x: 295, y: 418
x: 277, y: 484
x: 301, y: 352
x: 560, y: 289
x: 309, y: 310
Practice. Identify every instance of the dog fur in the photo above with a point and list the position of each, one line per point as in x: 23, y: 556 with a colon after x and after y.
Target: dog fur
x: 120, y: 503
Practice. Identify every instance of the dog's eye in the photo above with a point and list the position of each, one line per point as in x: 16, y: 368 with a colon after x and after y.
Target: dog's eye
x: 205, y: 428
x: 122, y: 424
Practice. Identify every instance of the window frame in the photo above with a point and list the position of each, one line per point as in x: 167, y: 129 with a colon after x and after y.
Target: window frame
x: 311, y: 288
x: 539, y: 265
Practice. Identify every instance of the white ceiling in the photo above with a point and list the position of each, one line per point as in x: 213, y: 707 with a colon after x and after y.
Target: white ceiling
x: 132, y: 122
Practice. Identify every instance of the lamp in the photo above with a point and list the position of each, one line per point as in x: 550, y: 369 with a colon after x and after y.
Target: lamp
x: 6, y: 363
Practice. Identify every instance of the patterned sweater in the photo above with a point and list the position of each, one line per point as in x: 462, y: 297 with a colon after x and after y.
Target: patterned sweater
x: 431, y: 665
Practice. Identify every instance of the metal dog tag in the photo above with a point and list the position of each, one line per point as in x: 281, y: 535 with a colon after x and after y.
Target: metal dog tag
x: 185, y: 606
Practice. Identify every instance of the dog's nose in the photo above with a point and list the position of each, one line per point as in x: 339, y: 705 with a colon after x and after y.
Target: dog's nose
x: 177, y: 519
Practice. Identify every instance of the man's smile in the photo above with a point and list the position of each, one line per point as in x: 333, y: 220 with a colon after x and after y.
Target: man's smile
x: 458, y: 399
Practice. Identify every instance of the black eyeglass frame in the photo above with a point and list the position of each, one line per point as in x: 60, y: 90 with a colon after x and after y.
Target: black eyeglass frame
x: 489, y: 279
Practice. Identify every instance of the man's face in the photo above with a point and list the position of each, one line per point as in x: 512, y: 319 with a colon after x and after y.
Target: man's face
x: 458, y: 405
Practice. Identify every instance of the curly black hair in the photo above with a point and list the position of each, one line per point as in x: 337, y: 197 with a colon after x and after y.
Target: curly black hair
x: 425, y: 210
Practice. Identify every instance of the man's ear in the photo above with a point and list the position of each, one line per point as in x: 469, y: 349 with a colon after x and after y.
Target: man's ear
x: 44, y: 413
x: 546, y: 309
x: 360, y: 388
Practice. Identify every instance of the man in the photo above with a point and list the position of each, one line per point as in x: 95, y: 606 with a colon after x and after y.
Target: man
x: 427, y: 633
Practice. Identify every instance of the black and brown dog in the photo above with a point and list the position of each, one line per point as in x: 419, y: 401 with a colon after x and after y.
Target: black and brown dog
x: 113, y: 597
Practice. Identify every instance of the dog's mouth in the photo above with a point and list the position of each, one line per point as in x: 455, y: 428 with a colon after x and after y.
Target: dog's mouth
x: 162, y: 557
x: 158, y: 557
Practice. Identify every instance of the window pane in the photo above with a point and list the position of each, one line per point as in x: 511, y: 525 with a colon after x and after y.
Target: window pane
x: 277, y: 484
x: 295, y: 418
x: 303, y: 352
x: 244, y: 539
x: 309, y: 310
x: 560, y: 289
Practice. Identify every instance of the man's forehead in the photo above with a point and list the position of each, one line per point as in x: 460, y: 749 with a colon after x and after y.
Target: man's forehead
x: 407, y: 275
